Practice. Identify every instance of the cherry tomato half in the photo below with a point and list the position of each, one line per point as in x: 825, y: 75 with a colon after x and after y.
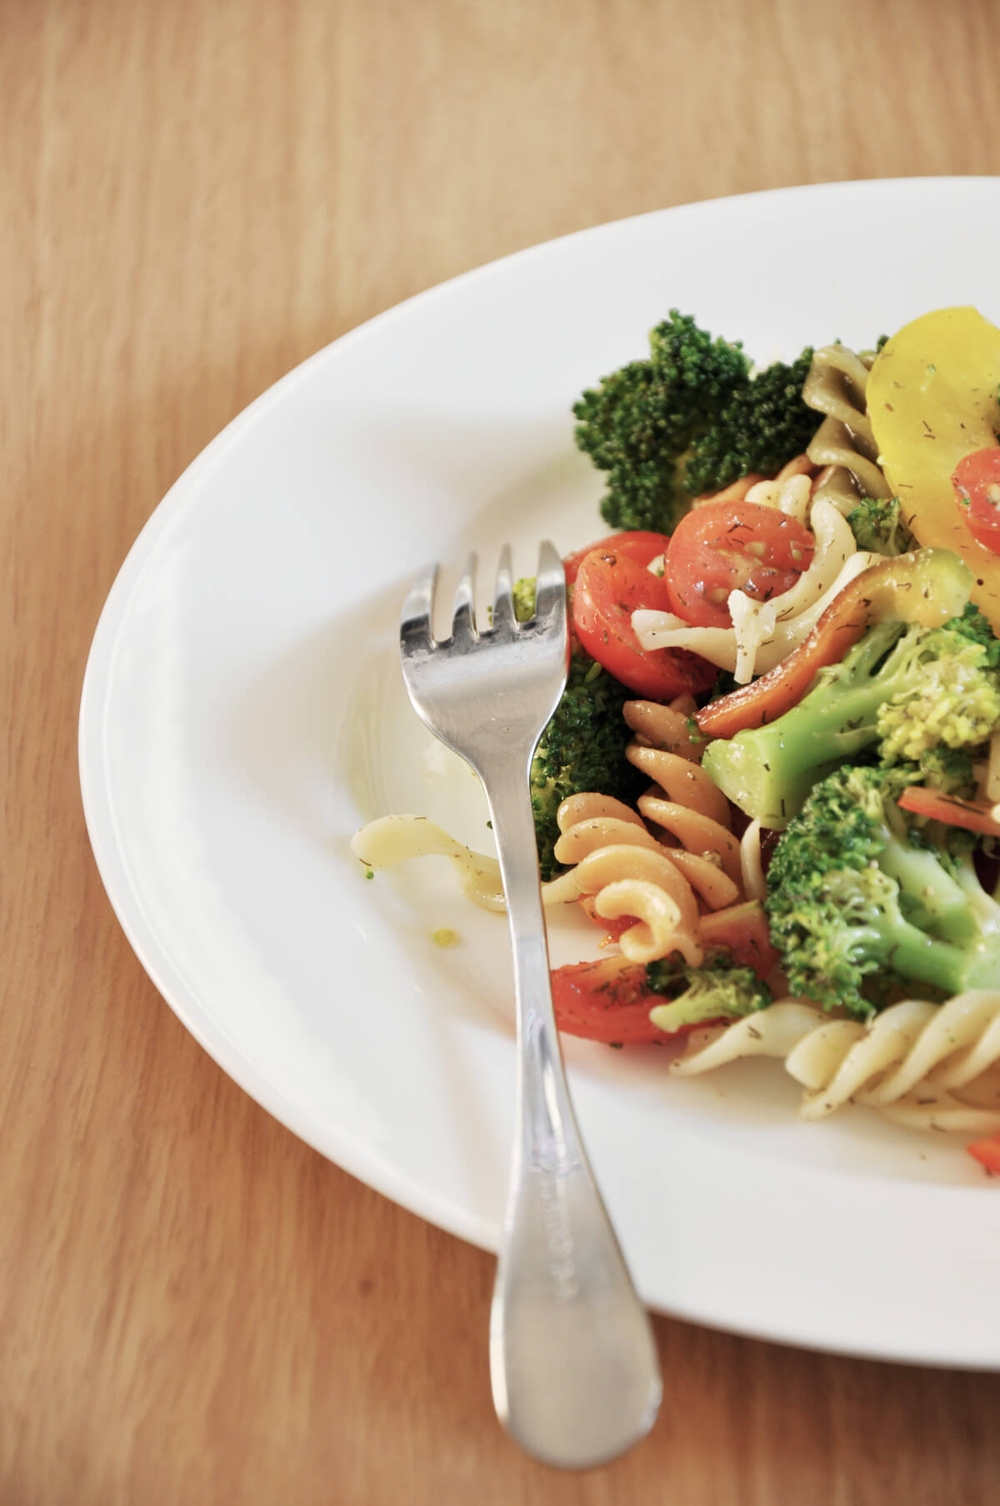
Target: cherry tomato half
x: 977, y: 492
x: 609, y: 587
x: 601, y: 1004
x: 638, y: 545
x: 732, y: 546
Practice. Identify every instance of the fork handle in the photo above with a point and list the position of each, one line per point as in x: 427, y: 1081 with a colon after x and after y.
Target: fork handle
x: 573, y: 1361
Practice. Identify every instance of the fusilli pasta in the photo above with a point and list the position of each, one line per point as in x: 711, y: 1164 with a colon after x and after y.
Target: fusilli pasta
x: 621, y: 869
x: 927, y: 1066
x: 844, y: 443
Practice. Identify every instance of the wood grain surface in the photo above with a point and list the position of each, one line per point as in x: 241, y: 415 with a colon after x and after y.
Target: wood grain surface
x: 194, y: 1307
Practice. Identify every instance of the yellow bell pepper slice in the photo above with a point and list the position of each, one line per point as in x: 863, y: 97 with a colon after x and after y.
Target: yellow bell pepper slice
x: 932, y: 400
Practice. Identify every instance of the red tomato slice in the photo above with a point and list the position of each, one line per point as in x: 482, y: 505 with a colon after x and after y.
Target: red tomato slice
x: 609, y: 587
x: 977, y: 492
x: 599, y: 1003
x: 637, y: 545
x: 987, y: 1153
x: 732, y: 546
x: 604, y: 1001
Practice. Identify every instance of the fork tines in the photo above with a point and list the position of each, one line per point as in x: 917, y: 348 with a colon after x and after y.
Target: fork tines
x: 416, y: 622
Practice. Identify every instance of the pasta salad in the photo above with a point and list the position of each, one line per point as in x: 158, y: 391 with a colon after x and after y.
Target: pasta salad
x: 773, y: 781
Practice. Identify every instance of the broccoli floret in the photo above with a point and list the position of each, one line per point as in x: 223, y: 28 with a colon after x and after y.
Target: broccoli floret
x: 949, y: 696
x: 906, y: 694
x: 524, y: 598
x: 691, y: 418
x: 976, y: 627
x: 639, y: 424
x: 853, y: 892
x: 721, y: 989
x: 950, y: 770
x: 763, y: 425
x: 878, y: 527
x: 582, y: 748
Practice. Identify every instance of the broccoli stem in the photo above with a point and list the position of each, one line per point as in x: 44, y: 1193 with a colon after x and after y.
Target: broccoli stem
x: 941, y: 894
x: 950, y: 968
x: 931, y: 897
x: 769, y: 771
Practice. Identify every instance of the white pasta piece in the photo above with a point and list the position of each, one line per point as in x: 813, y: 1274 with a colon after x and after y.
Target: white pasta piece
x: 790, y: 495
x: 774, y: 1031
x: 840, y: 1058
x: 789, y: 634
x: 984, y: 1090
x: 972, y: 1063
x: 835, y: 544
x: 649, y: 624
x: 764, y: 493
x: 795, y: 497
x: 396, y: 839
x: 927, y: 1066
x: 751, y: 865
x: 969, y: 1021
x: 933, y: 1109
x: 753, y: 624
x: 391, y: 840
x: 664, y: 630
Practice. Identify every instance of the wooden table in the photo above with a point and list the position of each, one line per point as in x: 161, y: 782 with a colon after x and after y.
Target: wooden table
x: 195, y: 1307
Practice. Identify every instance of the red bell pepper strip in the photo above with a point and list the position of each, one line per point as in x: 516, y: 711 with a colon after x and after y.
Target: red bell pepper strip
x: 987, y: 1153
x: 971, y: 815
x: 928, y: 587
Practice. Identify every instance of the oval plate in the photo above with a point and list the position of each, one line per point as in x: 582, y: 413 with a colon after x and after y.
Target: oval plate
x: 242, y: 715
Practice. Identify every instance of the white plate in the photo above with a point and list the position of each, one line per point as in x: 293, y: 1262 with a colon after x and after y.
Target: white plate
x: 242, y: 716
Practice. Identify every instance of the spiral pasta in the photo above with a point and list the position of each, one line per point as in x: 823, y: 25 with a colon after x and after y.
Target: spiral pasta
x: 844, y: 443
x: 621, y: 870
x: 685, y: 802
x: 926, y: 1066
x: 615, y: 865
x: 391, y: 840
x: 681, y: 799
x: 666, y: 727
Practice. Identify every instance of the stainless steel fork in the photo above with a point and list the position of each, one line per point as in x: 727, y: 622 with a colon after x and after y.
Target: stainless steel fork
x: 573, y: 1361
